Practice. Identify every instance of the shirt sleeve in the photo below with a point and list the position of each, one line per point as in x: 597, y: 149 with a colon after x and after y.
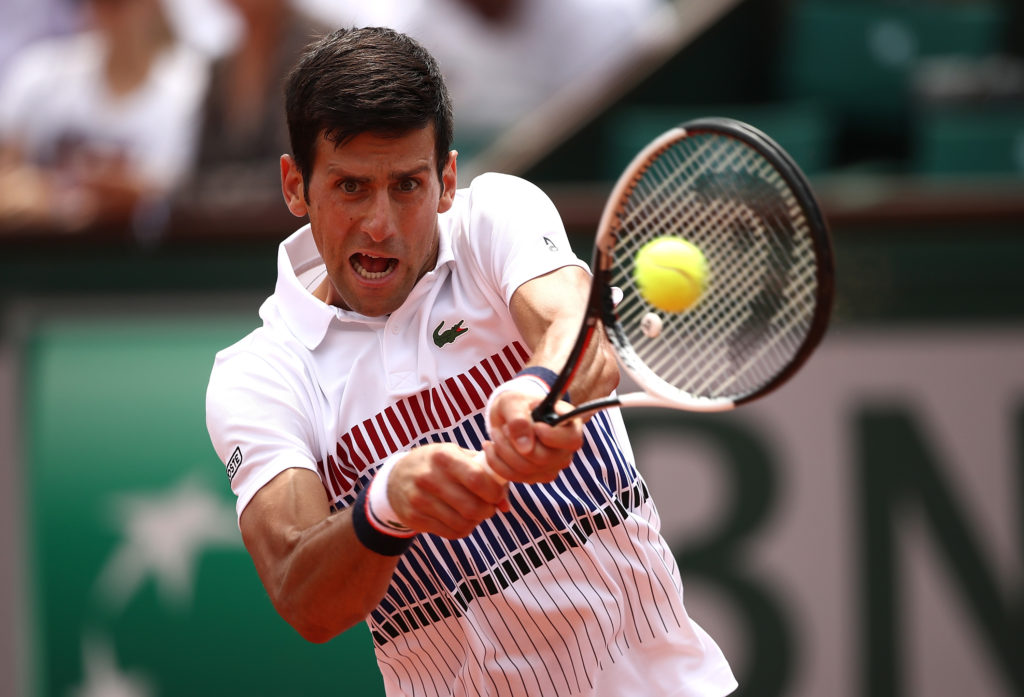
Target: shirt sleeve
x: 517, y: 233
x: 257, y: 421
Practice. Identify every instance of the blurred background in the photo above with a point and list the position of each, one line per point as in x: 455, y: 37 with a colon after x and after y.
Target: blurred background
x: 857, y: 534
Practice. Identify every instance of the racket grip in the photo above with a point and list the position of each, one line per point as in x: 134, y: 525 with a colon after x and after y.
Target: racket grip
x: 552, y: 419
x: 545, y: 414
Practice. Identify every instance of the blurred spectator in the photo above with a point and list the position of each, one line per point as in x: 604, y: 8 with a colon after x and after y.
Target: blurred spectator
x: 97, y: 125
x: 243, y: 128
x: 25, y: 21
x: 503, y: 58
x: 212, y: 26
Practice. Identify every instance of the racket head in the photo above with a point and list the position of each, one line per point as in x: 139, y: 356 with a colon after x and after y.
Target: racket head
x: 728, y: 188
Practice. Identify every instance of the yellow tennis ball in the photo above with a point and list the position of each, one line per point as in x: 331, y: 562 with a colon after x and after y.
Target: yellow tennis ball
x: 671, y: 273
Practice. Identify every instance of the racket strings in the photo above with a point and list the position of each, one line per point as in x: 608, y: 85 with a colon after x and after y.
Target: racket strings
x: 731, y: 202
x: 762, y: 302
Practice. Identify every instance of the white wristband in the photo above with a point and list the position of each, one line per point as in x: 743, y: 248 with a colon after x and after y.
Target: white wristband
x: 382, y: 516
x: 529, y: 385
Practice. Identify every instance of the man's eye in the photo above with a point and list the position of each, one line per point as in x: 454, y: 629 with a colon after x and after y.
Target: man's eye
x: 408, y: 185
x: 349, y: 186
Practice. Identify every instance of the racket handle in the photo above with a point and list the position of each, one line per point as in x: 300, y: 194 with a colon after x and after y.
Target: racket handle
x: 552, y: 419
x: 545, y: 414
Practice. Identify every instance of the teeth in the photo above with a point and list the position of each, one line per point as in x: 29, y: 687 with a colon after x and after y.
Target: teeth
x: 372, y: 275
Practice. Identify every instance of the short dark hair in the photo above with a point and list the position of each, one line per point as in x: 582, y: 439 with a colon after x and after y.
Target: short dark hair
x: 365, y: 80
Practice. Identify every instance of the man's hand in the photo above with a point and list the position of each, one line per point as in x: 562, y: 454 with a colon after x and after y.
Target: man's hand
x: 445, y: 490
x: 523, y: 450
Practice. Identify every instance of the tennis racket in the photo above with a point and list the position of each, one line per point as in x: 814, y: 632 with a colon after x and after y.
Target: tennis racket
x: 729, y: 189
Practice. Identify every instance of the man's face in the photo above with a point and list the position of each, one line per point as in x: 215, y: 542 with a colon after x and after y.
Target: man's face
x: 373, y: 205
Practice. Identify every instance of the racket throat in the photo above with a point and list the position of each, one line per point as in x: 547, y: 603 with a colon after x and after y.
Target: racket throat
x: 596, y: 405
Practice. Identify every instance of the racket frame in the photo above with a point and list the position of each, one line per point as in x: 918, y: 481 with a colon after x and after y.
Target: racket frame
x: 601, y: 305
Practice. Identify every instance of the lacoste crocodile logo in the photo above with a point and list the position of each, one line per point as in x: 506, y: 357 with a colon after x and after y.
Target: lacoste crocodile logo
x: 450, y: 334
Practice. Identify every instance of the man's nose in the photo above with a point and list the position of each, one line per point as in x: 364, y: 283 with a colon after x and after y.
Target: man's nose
x: 379, y: 222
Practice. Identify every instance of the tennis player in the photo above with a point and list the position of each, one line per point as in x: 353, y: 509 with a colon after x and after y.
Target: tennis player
x: 413, y: 327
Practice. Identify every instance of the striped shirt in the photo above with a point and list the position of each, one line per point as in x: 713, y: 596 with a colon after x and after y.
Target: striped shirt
x: 573, y: 591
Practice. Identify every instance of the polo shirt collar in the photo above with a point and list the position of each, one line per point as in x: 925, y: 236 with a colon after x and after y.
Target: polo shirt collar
x: 307, y: 317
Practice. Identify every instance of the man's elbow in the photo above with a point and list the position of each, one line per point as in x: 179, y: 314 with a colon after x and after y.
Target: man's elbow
x: 314, y: 635
x: 317, y: 624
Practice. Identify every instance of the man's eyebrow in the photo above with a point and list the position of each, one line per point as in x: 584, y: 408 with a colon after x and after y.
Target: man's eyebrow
x: 403, y: 174
x: 341, y: 172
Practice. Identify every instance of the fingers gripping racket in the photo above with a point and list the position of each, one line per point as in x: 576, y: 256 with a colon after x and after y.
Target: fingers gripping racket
x: 727, y: 188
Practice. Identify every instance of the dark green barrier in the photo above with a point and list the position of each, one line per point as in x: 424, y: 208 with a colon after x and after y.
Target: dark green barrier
x: 141, y: 584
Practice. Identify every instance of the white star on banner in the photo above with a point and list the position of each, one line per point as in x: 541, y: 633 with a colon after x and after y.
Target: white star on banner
x: 101, y: 676
x: 164, y: 533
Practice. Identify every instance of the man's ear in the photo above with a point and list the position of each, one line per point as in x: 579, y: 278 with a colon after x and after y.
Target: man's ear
x: 450, y: 182
x: 292, y: 186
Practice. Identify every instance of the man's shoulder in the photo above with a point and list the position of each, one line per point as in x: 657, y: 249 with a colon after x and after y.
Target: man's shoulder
x: 265, y: 348
x: 493, y: 196
x: 254, y: 347
x: 498, y: 183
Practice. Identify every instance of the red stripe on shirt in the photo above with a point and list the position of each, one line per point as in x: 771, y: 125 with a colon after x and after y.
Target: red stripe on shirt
x: 383, y: 425
x: 410, y: 418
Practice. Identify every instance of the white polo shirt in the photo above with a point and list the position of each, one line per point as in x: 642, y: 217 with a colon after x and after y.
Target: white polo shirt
x: 573, y: 592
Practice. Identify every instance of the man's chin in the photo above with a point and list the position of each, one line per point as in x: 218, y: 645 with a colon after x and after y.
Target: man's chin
x: 362, y: 301
x: 373, y: 307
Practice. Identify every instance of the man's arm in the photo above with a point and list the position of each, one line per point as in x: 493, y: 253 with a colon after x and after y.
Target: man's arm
x: 548, y: 312
x: 319, y: 576
x: 322, y: 579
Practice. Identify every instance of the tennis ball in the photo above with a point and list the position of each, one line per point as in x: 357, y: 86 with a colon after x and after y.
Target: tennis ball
x: 671, y: 273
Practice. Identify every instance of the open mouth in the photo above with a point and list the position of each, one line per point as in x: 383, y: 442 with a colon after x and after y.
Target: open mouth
x: 370, y: 267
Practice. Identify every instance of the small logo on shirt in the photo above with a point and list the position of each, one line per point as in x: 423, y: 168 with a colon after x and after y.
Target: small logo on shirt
x: 233, y: 463
x: 550, y: 245
x: 450, y: 334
